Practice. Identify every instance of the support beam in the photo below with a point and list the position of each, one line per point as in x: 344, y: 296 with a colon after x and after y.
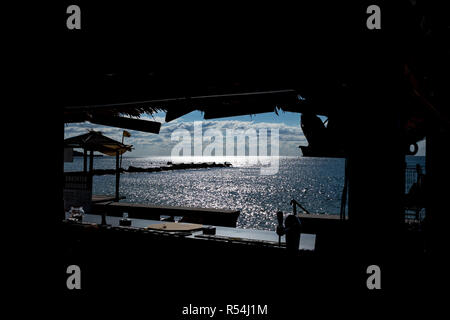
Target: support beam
x: 85, y: 154
x: 244, y: 104
x: 91, y: 169
x: 376, y: 157
x: 91, y: 161
x: 117, y: 176
x: 127, y: 123
x: 173, y: 114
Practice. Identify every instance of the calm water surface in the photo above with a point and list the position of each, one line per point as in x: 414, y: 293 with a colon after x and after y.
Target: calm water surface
x: 314, y: 182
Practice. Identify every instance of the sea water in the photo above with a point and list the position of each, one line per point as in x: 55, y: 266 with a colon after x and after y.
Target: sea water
x: 316, y: 183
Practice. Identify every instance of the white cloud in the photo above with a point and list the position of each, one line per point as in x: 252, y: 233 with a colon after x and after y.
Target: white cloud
x: 148, y: 144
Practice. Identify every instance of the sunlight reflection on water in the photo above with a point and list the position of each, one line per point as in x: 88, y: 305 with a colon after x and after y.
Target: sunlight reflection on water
x: 314, y: 182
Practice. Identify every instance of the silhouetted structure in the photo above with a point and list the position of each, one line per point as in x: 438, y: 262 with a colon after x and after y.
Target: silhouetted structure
x: 382, y: 91
x: 96, y: 141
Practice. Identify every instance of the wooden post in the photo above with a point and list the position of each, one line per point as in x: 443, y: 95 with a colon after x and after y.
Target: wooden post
x: 123, y: 136
x: 117, y: 176
x: 91, y: 169
x: 85, y: 160
x: 375, y: 165
x: 91, y: 161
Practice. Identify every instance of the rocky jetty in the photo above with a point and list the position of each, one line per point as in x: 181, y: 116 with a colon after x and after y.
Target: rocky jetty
x: 180, y: 166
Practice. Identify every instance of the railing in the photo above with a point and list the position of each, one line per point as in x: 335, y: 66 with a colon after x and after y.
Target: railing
x: 414, y: 206
x: 410, y: 177
x: 294, y: 205
x: 77, y: 190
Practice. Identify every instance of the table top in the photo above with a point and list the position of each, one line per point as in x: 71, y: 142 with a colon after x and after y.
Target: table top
x: 307, y: 241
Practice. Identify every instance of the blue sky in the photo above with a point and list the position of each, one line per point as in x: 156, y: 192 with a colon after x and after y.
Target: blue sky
x: 147, y: 144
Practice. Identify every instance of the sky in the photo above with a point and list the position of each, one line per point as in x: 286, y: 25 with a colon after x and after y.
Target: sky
x: 148, y: 144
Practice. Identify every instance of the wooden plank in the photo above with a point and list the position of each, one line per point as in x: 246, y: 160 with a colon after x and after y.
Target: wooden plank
x: 104, y: 198
x: 128, y: 123
x: 173, y: 114
x: 218, y: 217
